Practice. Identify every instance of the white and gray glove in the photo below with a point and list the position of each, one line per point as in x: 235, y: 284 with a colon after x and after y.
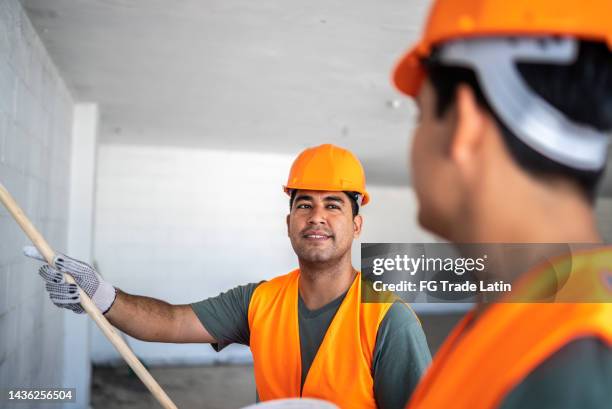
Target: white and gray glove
x: 66, y: 295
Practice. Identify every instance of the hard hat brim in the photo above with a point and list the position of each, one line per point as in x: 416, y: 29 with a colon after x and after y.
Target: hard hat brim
x: 408, y: 75
x: 288, y: 189
x: 450, y: 20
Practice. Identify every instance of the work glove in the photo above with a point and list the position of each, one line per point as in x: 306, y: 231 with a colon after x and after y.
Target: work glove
x: 66, y: 295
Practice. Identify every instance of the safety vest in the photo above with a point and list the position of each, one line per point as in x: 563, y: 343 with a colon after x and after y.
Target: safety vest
x: 342, y: 368
x: 478, y: 366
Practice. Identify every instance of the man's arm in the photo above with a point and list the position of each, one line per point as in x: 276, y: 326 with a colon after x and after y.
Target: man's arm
x: 144, y: 318
x: 150, y: 319
x: 401, y: 356
x: 226, y: 316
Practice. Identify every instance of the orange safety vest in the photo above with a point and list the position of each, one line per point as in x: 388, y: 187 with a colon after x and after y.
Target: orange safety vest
x: 477, y: 367
x: 341, y: 371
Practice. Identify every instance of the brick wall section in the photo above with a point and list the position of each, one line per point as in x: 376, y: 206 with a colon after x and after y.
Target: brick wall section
x: 35, y: 132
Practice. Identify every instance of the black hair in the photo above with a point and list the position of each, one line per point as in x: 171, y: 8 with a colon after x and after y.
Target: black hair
x: 582, y: 91
x: 352, y: 195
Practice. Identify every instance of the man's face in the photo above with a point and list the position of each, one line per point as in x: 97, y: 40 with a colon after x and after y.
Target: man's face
x: 321, y: 225
x: 433, y: 176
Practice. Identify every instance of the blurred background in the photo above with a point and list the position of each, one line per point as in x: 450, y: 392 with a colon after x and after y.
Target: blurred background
x: 151, y: 138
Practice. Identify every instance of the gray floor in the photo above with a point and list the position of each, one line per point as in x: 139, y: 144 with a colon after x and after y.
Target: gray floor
x: 210, y: 387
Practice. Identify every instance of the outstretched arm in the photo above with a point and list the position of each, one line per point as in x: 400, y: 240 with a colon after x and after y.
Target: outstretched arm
x: 145, y: 318
x: 150, y: 319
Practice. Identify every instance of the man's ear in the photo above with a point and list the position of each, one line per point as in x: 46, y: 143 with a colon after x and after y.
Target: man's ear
x: 470, y: 124
x: 287, y: 219
x: 357, y: 224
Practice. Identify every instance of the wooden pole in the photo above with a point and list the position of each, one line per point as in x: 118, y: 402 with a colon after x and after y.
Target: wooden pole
x: 107, y: 329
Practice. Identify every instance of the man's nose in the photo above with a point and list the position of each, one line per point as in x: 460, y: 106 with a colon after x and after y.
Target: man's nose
x: 317, y: 215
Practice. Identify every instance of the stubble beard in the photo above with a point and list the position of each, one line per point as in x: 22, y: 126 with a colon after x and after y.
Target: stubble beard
x: 314, y: 255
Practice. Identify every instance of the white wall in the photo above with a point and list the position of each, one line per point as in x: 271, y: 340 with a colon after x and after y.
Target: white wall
x: 77, y: 360
x: 392, y: 217
x: 183, y: 225
x: 35, y: 137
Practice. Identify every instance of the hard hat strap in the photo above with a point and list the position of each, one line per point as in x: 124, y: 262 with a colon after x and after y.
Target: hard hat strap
x: 532, y: 119
x: 357, y: 197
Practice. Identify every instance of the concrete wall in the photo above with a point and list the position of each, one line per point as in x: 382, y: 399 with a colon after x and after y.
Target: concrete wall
x: 183, y: 225
x: 77, y: 361
x: 35, y: 137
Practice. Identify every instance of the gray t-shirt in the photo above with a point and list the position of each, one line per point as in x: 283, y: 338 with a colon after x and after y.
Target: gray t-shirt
x: 579, y: 375
x: 401, y: 354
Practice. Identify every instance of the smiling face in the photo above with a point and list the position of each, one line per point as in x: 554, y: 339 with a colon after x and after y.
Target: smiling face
x: 321, y: 226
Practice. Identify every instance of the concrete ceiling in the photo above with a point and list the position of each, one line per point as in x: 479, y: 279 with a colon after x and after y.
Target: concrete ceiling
x: 266, y: 75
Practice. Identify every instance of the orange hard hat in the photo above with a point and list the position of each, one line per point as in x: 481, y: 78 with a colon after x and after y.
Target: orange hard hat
x: 327, y: 167
x: 453, y: 19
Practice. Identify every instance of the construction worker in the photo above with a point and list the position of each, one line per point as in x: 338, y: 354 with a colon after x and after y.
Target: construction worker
x: 515, y: 101
x: 309, y: 332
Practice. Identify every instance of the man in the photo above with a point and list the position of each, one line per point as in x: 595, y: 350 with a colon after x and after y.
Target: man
x: 308, y: 330
x: 516, y: 107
